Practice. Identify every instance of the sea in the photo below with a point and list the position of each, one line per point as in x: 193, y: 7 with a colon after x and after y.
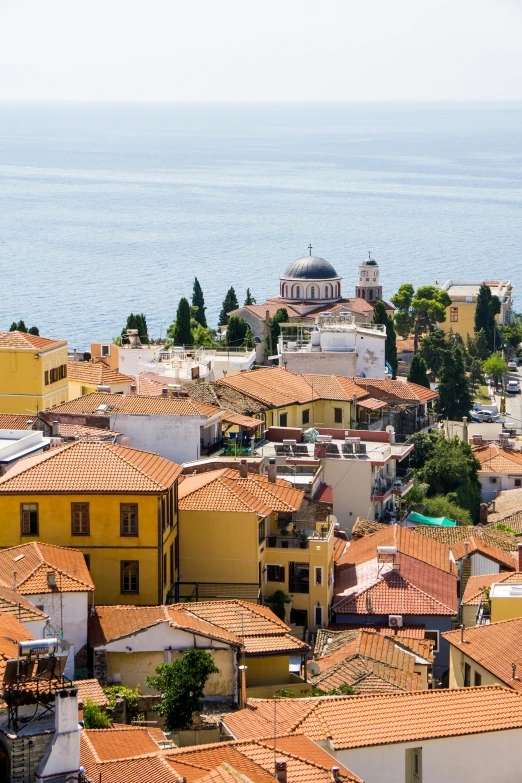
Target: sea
x: 112, y: 208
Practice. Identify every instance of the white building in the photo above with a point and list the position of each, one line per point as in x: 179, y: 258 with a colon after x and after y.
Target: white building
x: 500, y: 468
x: 336, y: 345
x: 16, y: 444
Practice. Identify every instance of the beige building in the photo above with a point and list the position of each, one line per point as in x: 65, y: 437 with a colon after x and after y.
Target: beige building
x: 460, y: 316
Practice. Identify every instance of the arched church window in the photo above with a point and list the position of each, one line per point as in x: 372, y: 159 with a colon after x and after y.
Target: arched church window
x: 286, y: 290
x: 327, y: 291
x: 363, y: 292
x: 337, y: 289
x: 370, y: 294
x: 312, y: 292
x: 298, y: 291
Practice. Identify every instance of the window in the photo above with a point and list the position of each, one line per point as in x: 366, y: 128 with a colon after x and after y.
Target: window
x: 261, y: 531
x: 275, y: 573
x: 312, y: 292
x: 414, y: 765
x: 87, y: 559
x: 477, y: 679
x: 467, y: 675
x: 283, y: 419
x: 80, y: 522
x: 46, y: 377
x: 299, y: 617
x: 299, y: 578
x: 318, y: 576
x: 105, y: 350
x: 318, y: 615
x: 338, y: 415
x: 172, y: 564
x: 433, y: 636
x: 298, y: 292
x: 337, y: 288
x: 518, y: 482
x: 29, y: 519
x: 305, y: 416
x: 128, y: 519
x: 130, y: 580
x: 164, y: 569
x: 363, y: 293
x: 454, y: 314
x: 370, y: 294
x: 327, y: 292
x: 286, y: 290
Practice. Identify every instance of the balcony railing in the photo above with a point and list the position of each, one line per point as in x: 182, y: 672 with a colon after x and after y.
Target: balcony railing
x: 287, y: 542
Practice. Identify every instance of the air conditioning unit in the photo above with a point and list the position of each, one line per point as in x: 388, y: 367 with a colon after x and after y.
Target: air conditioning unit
x: 395, y: 620
x: 493, y: 480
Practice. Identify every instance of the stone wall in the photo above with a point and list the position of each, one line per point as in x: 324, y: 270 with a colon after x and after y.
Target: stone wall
x: 100, y: 666
x: 25, y: 755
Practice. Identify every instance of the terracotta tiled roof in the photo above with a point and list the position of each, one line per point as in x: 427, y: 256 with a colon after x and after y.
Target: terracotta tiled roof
x: 508, y: 505
x: 364, y: 527
x: 149, y: 387
x: 15, y: 421
x: 513, y: 521
x: 407, y: 632
x: 493, y: 459
x: 355, y: 304
x: 121, y: 755
x: 86, y: 434
x: 473, y: 592
x: 92, y: 690
x: 95, y: 374
x: 451, y: 535
x: 33, y: 561
x: 495, y: 647
x: 225, y: 490
x: 406, y: 541
x: 130, y: 404
x: 329, y: 640
x: 476, y: 545
x: 406, y: 345
x: 339, y: 547
x: 91, y: 467
x: 11, y: 632
x: 12, y: 602
x: 229, y: 417
x: 28, y: 341
x: 225, y: 397
x: 407, y: 587
x: 371, y: 404
x: 396, y: 390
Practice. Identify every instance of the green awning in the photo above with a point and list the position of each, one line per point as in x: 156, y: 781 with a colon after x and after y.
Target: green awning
x: 419, y: 519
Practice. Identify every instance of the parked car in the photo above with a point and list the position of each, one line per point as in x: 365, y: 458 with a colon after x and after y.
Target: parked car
x: 512, y: 365
x: 484, y: 416
x: 512, y: 387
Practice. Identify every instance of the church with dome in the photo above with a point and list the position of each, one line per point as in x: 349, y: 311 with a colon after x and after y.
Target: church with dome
x: 310, y: 285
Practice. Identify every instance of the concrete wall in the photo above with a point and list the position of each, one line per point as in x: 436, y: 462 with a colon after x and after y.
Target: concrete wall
x: 175, y: 437
x: 456, y: 677
x: 352, y: 481
x: 67, y: 612
x: 473, y: 758
x: 503, y: 482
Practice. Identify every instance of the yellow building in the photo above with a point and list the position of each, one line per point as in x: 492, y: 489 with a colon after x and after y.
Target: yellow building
x: 33, y: 372
x: 460, y: 316
x: 87, y: 377
x: 238, y: 537
x: 486, y: 655
x: 495, y: 597
x: 117, y: 505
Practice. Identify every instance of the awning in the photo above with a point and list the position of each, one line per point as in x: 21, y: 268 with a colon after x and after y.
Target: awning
x: 372, y: 404
x: 241, y: 421
x: 324, y: 494
x: 419, y: 519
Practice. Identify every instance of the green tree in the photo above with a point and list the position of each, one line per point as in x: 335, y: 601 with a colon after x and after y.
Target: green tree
x: 131, y: 698
x: 201, y: 336
x: 487, y: 307
x: 424, y: 447
x: 198, y: 303
x: 277, y: 602
x: 34, y: 330
x: 137, y: 321
x: 180, y: 331
x: 452, y: 467
x: 442, y: 506
x: 341, y: 690
x: 18, y: 327
x: 478, y: 346
x: 249, y: 298
x: 273, y: 331
x: 476, y: 375
x: 418, y: 373
x: 94, y: 717
x: 512, y: 334
x: 380, y: 316
x: 229, y: 303
x: 495, y: 366
x: 238, y: 332
x: 454, y: 393
x: 181, y: 685
x: 433, y: 348
x: 419, y: 311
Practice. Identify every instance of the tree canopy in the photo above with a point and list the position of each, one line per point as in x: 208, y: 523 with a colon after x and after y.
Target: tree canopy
x: 487, y: 307
x: 180, y: 331
x: 198, y: 304
x: 137, y: 321
x: 418, y: 373
x: 272, y: 336
x: 238, y: 332
x: 229, y: 303
x: 418, y: 311
x: 454, y: 392
x: 380, y: 316
x: 249, y: 300
x: 432, y: 349
x: 495, y: 366
x: 181, y: 685
x: 452, y: 467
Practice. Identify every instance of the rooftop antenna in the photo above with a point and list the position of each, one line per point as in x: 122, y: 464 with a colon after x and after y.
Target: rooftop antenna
x: 310, y: 249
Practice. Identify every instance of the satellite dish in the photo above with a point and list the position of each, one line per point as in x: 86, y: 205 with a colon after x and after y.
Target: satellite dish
x: 312, y: 668
x: 391, y: 429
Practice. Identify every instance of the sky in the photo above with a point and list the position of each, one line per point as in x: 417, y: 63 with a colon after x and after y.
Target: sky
x: 274, y: 50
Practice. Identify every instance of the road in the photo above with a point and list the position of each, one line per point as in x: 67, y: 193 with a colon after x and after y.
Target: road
x: 513, y: 402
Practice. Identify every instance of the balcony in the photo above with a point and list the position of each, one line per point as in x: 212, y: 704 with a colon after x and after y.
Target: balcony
x: 287, y: 542
x: 402, y: 484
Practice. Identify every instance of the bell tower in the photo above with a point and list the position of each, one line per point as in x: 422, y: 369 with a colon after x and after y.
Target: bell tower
x: 368, y: 286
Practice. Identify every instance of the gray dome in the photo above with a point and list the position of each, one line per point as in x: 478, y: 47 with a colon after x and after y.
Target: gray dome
x: 369, y: 262
x: 310, y: 268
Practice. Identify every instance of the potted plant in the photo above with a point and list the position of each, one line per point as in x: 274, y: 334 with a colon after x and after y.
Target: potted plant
x: 303, y: 539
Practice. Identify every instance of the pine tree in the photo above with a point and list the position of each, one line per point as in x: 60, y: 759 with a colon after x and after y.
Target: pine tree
x: 34, y: 330
x: 13, y: 327
x: 433, y: 349
x: 476, y: 374
x: 249, y: 298
x: 487, y: 307
x: 198, y: 300
x: 380, y: 316
x: 454, y: 394
x: 238, y: 332
x: 181, y: 333
x: 229, y: 303
x: 418, y: 372
x: 18, y: 327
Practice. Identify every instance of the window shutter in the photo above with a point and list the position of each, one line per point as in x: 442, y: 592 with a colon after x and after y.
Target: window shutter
x: 26, y: 522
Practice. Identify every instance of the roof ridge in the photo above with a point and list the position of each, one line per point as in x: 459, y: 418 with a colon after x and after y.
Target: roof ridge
x: 113, y: 446
x: 45, y: 457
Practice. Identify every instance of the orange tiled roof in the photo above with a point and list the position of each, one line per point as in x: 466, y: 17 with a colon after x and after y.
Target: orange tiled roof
x: 507, y: 509
x: 364, y: 527
x: 405, y: 345
x: 28, y: 341
x: 396, y: 390
x: 383, y: 719
x: 407, y: 542
x: 495, y: 647
x: 493, y: 459
x: 91, y: 467
x: 15, y: 421
x: 406, y: 632
x: 451, y: 535
x: 473, y: 592
x: 121, y: 755
x: 12, y: 602
x: 33, y: 561
x: 86, y: 434
x: 92, y: 690
x: 149, y: 387
x: 229, y: 417
x: 477, y: 545
x: 130, y: 404
x: 11, y: 632
x: 95, y: 373
x: 225, y: 490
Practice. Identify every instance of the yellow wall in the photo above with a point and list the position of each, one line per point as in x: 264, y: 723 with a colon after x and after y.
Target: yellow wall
x: 456, y: 673
x: 505, y: 609
x: 322, y: 414
x: 22, y: 379
x: 134, y: 668
x: 106, y: 547
x: 80, y: 389
x: 466, y: 319
x: 267, y: 670
x: 299, y: 688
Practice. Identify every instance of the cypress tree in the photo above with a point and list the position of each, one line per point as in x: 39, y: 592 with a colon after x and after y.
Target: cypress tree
x: 182, y: 334
x: 229, y: 303
x: 418, y: 372
x: 249, y: 298
x: 454, y: 394
x: 34, y: 330
x: 487, y: 307
x: 380, y: 316
x: 198, y: 300
x: 238, y: 332
x: 13, y: 327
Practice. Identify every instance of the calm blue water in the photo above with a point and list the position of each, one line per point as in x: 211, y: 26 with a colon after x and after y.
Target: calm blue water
x: 107, y: 209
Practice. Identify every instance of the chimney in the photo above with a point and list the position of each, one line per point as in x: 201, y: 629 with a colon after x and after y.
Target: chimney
x: 461, y: 634
x: 513, y: 671
x: 267, y: 315
x: 483, y: 515
x: 75, y: 355
x: 54, y: 429
x: 133, y: 388
x: 29, y: 424
x: 62, y: 757
x: 243, y: 468
x: 466, y: 548
x: 164, y: 392
x: 335, y: 773
x: 272, y: 470
x: 280, y: 770
x: 519, y: 547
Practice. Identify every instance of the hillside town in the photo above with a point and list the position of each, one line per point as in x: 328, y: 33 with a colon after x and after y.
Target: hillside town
x: 285, y: 549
